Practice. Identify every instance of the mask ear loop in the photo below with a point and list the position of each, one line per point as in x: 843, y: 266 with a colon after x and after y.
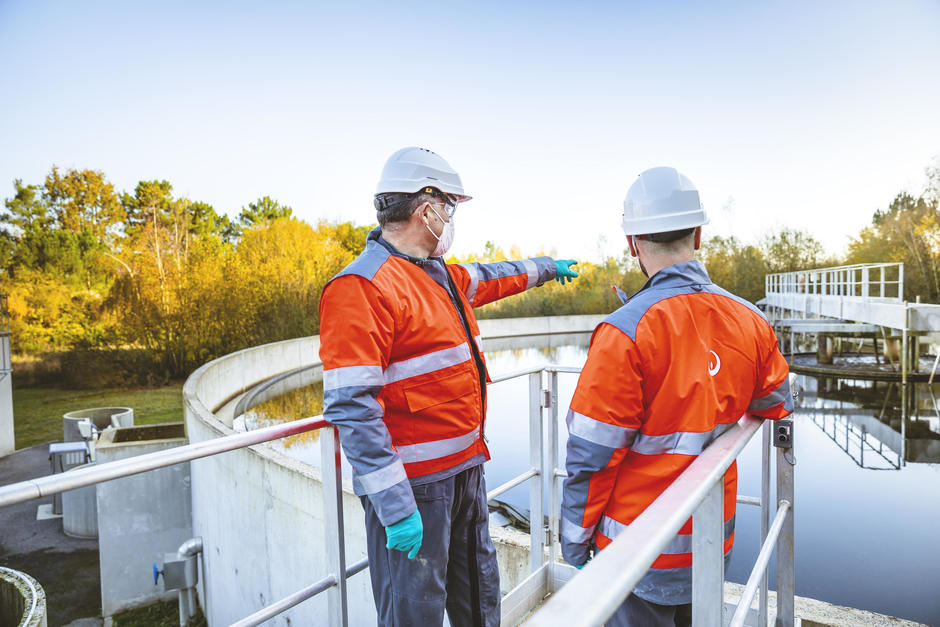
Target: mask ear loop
x: 428, y: 226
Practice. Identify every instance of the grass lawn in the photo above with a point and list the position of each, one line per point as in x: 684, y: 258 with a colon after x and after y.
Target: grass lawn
x: 37, y: 412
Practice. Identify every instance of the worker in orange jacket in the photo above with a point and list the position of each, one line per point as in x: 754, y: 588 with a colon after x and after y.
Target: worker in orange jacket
x: 404, y: 380
x: 665, y: 375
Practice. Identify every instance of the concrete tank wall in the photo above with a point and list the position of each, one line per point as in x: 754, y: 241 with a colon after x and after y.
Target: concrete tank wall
x: 22, y: 600
x: 260, y: 512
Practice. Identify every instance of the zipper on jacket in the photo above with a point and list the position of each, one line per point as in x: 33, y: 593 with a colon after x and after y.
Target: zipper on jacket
x: 475, y: 350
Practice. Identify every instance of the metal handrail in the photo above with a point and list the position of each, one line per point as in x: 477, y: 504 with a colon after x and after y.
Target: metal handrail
x: 90, y: 475
x: 279, y: 607
x: 851, y: 281
x: 620, y: 565
x: 760, y: 566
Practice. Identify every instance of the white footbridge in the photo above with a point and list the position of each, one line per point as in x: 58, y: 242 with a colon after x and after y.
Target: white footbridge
x: 861, y: 299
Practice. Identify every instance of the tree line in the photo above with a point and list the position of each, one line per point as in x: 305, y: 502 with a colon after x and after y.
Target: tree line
x: 143, y: 286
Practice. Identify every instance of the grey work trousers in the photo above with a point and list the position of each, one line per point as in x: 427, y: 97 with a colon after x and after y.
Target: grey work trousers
x: 456, y: 567
x: 637, y: 612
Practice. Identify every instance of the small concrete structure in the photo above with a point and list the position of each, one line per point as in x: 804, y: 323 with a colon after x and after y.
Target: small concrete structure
x: 102, y: 417
x: 80, y: 512
x: 78, y: 507
x: 22, y: 600
x: 140, y: 518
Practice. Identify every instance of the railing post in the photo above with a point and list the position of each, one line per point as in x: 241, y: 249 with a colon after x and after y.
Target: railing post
x: 786, y: 576
x: 764, y: 516
x: 708, y: 559
x: 553, y: 528
x: 536, y: 460
x: 333, y: 524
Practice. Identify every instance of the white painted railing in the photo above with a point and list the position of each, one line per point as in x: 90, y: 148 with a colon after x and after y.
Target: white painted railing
x: 863, y: 280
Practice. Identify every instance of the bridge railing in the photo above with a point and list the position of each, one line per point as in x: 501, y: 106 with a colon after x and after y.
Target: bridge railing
x: 606, y: 581
x: 864, y: 280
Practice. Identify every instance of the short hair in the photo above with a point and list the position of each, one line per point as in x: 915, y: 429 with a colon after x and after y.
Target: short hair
x: 399, y: 207
x: 668, y: 236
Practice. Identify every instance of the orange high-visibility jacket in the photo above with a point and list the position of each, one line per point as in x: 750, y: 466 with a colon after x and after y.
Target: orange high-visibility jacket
x: 666, y: 374
x: 403, y: 373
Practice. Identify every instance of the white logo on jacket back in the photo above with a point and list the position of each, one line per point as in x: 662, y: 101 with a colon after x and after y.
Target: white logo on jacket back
x: 714, y: 367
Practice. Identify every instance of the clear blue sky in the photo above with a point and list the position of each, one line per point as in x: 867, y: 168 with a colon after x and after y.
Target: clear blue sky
x: 807, y: 114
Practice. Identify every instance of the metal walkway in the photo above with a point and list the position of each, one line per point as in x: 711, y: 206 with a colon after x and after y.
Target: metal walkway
x: 861, y: 299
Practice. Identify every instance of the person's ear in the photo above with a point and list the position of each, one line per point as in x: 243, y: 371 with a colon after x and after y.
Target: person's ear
x: 698, y: 237
x: 422, y: 212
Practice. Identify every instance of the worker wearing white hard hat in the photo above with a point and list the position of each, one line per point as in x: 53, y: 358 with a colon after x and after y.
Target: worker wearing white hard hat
x: 665, y: 375
x: 405, y: 383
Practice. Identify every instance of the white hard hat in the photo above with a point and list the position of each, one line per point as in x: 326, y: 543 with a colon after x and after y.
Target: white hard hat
x: 662, y: 200
x: 411, y: 169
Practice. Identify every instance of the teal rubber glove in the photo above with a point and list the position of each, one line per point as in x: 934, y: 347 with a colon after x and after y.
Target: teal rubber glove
x: 563, y: 271
x: 580, y: 566
x: 406, y: 535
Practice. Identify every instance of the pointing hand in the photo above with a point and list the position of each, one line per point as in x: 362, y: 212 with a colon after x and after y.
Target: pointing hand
x: 563, y: 271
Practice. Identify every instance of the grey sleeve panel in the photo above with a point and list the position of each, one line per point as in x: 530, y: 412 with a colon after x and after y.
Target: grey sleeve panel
x: 584, y: 458
x: 537, y: 269
x: 546, y: 270
x: 781, y: 395
x: 377, y: 469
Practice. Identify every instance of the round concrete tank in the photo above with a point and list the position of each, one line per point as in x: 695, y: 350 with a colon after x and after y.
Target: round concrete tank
x: 22, y: 600
x: 102, y: 417
x: 80, y: 511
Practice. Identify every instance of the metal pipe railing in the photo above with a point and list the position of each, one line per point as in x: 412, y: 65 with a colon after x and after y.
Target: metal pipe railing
x: 760, y: 566
x: 853, y: 281
x: 620, y: 566
x: 509, y: 485
x: 90, y: 475
x: 298, y: 597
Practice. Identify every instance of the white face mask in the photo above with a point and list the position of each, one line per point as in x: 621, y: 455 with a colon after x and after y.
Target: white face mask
x: 445, y: 239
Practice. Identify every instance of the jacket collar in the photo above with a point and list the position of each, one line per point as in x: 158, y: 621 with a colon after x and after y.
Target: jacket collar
x: 375, y: 239
x: 678, y: 275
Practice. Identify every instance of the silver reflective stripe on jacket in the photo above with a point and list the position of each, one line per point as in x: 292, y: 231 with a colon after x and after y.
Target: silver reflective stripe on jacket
x: 779, y: 395
x: 574, y: 533
x: 598, y: 432
x: 533, y: 272
x: 423, y: 364
x: 383, y: 478
x: 677, y: 443
x: 479, y: 340
x: 425, y: 451
x: 474, y: 272
x: 350, y: 376
x: 681, y: 543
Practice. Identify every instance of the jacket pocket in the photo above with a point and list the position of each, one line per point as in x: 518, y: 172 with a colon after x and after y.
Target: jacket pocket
x: 421, y: 396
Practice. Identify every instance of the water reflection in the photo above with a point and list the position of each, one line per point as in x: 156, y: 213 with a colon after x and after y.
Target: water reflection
x: 879, y: 425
